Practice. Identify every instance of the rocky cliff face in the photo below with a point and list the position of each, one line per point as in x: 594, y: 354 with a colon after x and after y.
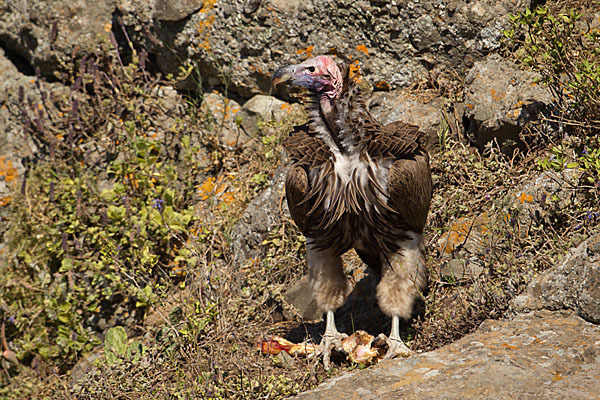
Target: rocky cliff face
x: 398, y: 43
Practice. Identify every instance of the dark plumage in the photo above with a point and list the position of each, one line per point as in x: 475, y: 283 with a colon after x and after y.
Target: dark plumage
x: 355, y: 183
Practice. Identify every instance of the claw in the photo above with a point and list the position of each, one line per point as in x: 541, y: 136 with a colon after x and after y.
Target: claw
x: 327, y: 342
x: 396, y: 347
x: 331, y: 337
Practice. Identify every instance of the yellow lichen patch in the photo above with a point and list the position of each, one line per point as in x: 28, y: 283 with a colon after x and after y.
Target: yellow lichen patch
x: 107, y: 27
x: 355, y: 71
x: 286, y: 107
x: 7, y: 170
x: 514, y: 114
x: 4, y: 201
x: 382, y: 85
x: 208, y: 5
x: 307, y: 52
x: 256, y: 69
x: 557, y: 377
x: 524, y: 197
x: 458, y: 232
x: 203, y: 25
x: 361, y: 48
x: 497, y: 96
x: 217, y: 188
x: 227, y: 198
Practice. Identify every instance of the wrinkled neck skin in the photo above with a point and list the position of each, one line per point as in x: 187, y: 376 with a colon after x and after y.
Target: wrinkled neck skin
x: 329, y: 113
x: 332, y: 119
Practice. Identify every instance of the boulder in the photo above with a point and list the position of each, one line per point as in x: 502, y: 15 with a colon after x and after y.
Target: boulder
x: 500, y: 99
x: 259, y: 219
x: 169, y: 10
x: 537, y: 355
x: 220, y: 115
x: 572, y: 285
x: 259, y: 110
x: 393, y: 106
x: 38, y: 34
x: 546, y: 347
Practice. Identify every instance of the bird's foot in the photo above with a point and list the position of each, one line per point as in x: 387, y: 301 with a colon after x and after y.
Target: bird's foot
x: 327, y: 342
x: 396, y: 347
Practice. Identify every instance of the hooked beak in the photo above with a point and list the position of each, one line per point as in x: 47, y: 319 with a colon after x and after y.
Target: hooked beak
x: 283, y: 74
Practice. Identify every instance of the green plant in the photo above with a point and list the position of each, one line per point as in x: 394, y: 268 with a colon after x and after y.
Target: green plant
x: 117, y: 348
x: 565, y: 50
x: 104, y: 215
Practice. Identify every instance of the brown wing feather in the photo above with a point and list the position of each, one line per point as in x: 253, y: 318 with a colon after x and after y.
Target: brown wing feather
x: 306, y: 149
x: 296, y: 191
x: 410, y: 189
x: 397, y: 139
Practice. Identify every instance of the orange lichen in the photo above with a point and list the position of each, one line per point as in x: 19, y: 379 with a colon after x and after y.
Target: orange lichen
x: 203, y: 25
x: 361, y: 48
x: 382, y: 85
x: 523, y: 197
x: 4, y: 201
x: 210, y: 3
x: 178, y: 269
x: 216, y: 188
x: 497, y: 96
x: 286, y: 107
x: 227, y: 198
x: 557, y: 377
x: 355, y: 71
x: 7, y: 170
x: 220, y: 107
x: 458, y: 232
x: 307, y: 52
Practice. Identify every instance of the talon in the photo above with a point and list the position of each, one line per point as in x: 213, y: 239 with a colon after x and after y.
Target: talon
x: 397, y: 348
x: 326, y: 344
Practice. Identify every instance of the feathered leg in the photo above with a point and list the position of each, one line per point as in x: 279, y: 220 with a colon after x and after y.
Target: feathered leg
x: 330, y: 289
x: 403, y: 277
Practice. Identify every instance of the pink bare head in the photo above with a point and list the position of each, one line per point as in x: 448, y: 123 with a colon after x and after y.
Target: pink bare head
x: 319, y: 74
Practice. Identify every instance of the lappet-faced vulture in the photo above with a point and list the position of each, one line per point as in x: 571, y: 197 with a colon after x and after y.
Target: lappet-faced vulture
x: 355, y: 183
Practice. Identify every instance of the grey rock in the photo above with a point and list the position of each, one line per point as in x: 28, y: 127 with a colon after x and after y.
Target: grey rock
x: 27, y: 29
x: 259, y: 219
x: 573, y: 285
x: 220, y: 113
x: 259, y: 110
x: 399, y: 106
x: 499, y: 100
x: 458, y: 270
x: 536, y: 355
x: 175, y: 10
x: 300, y: 296
x: 84, y: 366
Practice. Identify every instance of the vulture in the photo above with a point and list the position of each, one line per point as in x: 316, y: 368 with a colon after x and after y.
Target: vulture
x: 355, y: 183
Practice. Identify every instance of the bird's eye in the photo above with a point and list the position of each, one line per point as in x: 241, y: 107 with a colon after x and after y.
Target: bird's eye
x: 311, y: 69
